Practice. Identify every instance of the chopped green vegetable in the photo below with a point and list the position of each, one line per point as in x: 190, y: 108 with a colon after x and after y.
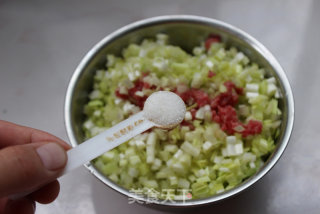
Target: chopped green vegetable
x: 207, y: 154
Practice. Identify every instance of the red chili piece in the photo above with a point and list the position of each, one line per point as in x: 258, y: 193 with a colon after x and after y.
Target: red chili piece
x: 139, y: 85
x: 194, y: 96
x: 122, y: 96
x: 211, y: 74
x: 253, y: 127
x: 212, y: 38
x: 224, y: 113
x: 230, y: 97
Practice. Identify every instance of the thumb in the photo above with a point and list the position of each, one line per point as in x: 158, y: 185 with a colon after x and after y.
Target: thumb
x: 24, y: 168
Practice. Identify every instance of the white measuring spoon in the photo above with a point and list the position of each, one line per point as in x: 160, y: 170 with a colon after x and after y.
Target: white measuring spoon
x: 162, y: 109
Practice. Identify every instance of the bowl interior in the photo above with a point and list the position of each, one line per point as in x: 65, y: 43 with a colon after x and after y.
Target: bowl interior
x: 186, y: 34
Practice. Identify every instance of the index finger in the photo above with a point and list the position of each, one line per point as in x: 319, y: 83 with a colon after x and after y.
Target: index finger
x: 13, y: 134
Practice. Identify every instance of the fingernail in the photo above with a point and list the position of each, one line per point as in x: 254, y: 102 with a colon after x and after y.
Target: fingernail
x: 52, y: 156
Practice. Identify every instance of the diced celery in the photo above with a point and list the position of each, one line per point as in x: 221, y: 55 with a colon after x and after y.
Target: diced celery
x: 206, y: 159
x: 190, y: 149
x: 151, y: 184
x: 183, y: 183
x: 134, y: 160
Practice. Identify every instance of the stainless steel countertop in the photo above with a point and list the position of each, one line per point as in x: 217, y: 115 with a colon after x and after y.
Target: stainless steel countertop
x: 41, y: 43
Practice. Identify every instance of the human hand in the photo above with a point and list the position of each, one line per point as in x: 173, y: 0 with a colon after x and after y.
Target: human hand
x: 30, y: 162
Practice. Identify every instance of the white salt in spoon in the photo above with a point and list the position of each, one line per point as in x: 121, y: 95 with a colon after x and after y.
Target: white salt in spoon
x: 162, y: 109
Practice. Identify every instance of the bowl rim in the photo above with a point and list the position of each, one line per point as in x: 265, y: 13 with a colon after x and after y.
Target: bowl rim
x: 197, y: 20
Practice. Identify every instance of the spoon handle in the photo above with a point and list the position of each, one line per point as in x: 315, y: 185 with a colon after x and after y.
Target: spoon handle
x: 106, y: 141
